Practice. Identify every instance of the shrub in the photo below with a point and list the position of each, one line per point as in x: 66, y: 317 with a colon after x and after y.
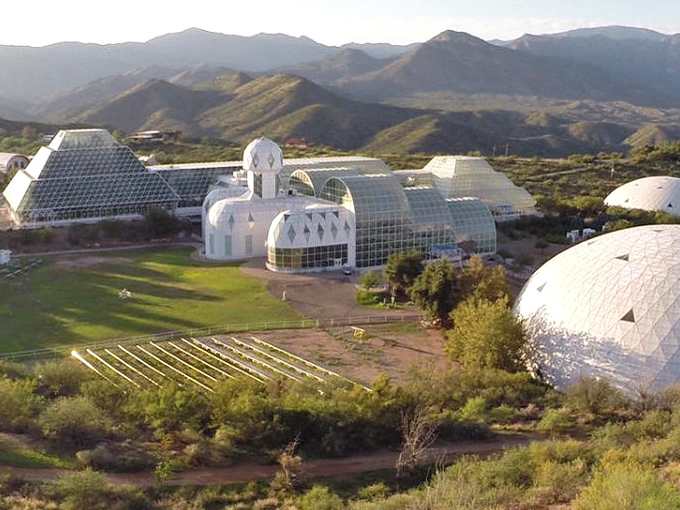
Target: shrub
x: 595, y: 396
x: 627, y: 486
x: 112, y: 457
x: 18, y: 404
x: 60, y: 378
x: 320, y: 498
x: 374, y: 492
x: 556, y: 421
x: 74, y: 421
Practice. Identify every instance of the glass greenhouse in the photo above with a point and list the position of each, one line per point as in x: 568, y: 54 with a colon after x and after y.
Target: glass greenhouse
x: 85, y: 174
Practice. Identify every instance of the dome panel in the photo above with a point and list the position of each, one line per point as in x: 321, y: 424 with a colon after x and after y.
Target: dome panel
x: 588, y: 313
x: 263, y: 156
x: 649, y: 194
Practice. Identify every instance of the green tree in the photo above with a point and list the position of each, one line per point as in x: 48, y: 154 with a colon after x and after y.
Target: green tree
x: 485, y: 334
x: 436, y: 291
x: 369, y: 280
x: 161, y: 223
x: 484, y: 282
x: 401, y: 271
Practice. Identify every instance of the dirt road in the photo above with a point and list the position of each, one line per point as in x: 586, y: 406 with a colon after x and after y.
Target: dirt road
x: 337, y: 468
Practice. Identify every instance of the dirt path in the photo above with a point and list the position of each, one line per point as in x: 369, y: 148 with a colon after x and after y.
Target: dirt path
x: 321, y: 295
x: 312, y: 468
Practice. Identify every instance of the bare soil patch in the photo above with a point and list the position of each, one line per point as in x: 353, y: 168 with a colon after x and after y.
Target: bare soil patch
x: 323, y: 295
x: 391, y: 348
x: 89, y: 261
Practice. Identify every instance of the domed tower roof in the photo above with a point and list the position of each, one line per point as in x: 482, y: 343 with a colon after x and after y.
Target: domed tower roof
x: 263, y: 156
x: 609, y: 307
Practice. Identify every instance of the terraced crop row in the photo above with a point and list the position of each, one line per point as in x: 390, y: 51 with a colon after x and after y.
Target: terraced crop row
x: 203, y: 363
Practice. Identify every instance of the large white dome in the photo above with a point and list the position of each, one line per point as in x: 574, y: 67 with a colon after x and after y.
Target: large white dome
x: 648, y: 194
x: 263, y: 156
x: 609, y: 307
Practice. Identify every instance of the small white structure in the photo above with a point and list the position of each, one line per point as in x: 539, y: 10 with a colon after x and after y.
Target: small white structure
x: 660, y: 193
x: 10, y: 161
x: 574, y: 236
x: 5, y: 257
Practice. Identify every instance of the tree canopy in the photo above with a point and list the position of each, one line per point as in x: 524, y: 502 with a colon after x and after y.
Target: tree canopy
x: 485, y: 334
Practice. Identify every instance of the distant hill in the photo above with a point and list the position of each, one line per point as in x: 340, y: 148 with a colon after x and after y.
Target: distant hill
x: 631, y: 56
x: 615, y: 32
x: 337, y: 68
x: 381, y: 50
x: 155, y: 104
x: 461, y: 63
x: 238, y: 108
x: 34, y: 75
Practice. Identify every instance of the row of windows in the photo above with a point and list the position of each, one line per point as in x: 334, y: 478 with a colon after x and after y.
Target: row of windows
x: 308, y: 258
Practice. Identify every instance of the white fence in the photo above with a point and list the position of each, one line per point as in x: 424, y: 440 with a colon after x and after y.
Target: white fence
x: 57, y: 351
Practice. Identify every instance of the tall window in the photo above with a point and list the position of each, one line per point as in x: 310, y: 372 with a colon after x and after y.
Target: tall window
x: 211, y: 244
x: 227, y: 246
x: 249, y: 245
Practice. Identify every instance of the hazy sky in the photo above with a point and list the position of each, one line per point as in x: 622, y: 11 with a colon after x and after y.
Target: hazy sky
x: 41, y: 22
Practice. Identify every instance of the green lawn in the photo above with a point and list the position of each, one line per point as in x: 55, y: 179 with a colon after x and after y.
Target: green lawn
x: 66, y: 301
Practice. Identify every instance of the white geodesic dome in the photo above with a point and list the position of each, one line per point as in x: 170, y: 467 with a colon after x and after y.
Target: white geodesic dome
x: 659, y: 193
x: 609, y: 307
x: 263, y: 156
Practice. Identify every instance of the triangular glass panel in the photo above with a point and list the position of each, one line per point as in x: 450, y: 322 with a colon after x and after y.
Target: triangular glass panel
x: 629, y: 317
x: 256, y: 160
x: 291, y: 234
x: 623, y: 257
x: 271, y: 160
x: 307, y: 233
x: 347, y: 228
x: 231, y: 221
x: 337, y: 214
x: 251, y: 221
x: 319, y: 231
x: 540, y: 289
x: 334, y: 230
x: 309, y: 216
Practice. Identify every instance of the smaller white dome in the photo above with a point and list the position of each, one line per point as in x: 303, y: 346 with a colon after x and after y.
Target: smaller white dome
x: 648, y: 194
x: 263, y: 156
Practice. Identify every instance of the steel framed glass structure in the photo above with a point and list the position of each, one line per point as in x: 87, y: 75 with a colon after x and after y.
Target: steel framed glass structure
x: 100, y: 181
x: 382, y: 215
x: 475, y: 229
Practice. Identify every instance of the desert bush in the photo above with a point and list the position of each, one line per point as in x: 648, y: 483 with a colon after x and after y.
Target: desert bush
x: 321, y: 498
x: 60, y: 378
x: 556, y: 421
x: 18, y: 404
x: 627, y: 486
x: 74, y: 421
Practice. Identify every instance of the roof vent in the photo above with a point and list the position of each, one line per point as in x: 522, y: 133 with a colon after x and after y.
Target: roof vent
x: 623, y: 257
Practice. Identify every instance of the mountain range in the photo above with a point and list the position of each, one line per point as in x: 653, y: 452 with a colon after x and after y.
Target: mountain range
x: 580, y: 91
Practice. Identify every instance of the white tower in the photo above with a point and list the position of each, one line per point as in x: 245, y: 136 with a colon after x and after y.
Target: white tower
x: 263, y: 160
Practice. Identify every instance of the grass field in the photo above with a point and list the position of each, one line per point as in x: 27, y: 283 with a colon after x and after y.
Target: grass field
x: 72, y: 299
